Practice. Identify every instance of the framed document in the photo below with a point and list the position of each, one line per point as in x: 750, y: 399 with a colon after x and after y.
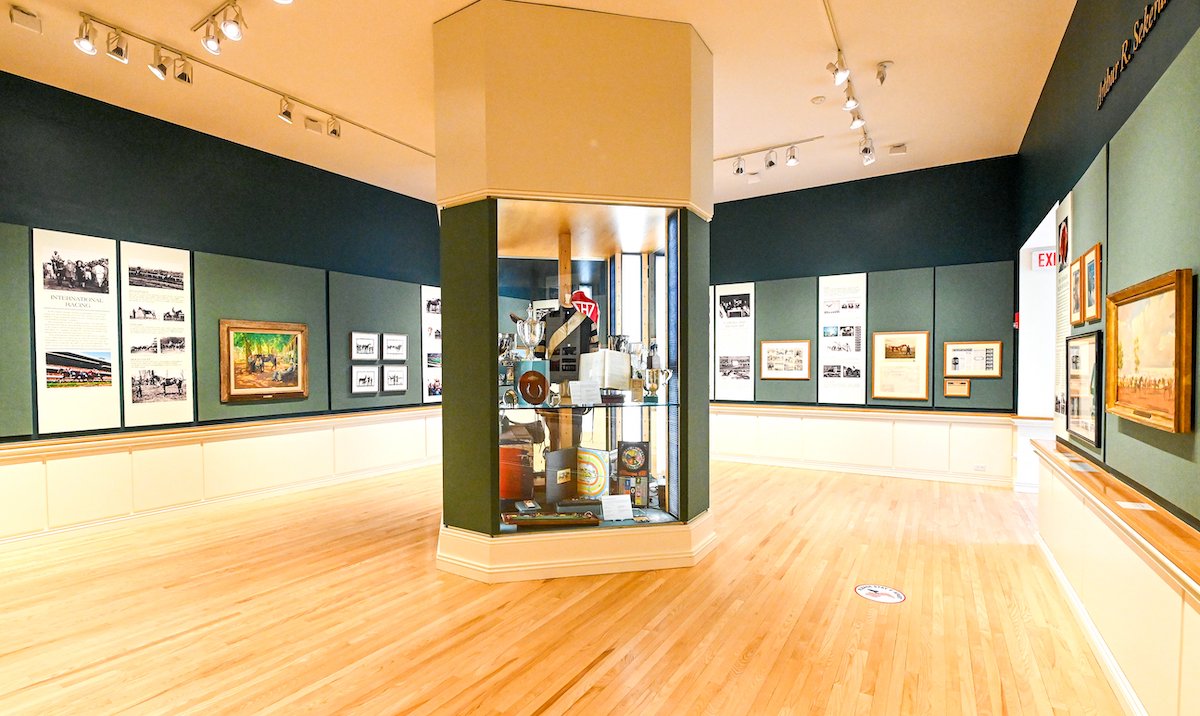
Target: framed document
x: 1084, y: 387
x: 784, y: 360
x: 1093, y: 292
x: 900, y: 365
x: 956, y: 387
x: 972, y: 359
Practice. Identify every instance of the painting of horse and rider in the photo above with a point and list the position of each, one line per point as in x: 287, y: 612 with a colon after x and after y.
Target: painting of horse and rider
x: 263, y: 360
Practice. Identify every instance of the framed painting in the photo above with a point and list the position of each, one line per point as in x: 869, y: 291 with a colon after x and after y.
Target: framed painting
x: 784, y: 360
x: 1148, y: 352
x: 1084, y: 387
x: 972, y: 359
x: 1093, y: 292
x: 1076, y: 279
x: 364, y: 346
x: 900, y: 365
x: 263, y: 360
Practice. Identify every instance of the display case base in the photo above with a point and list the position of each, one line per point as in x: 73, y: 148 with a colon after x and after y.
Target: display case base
x: 574, y: 553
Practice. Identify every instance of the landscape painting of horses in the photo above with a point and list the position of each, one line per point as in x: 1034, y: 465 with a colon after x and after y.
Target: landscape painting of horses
x: 263, y: 360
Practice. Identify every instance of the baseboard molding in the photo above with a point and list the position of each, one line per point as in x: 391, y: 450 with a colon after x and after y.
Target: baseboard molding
x: 264, y: 492
x: 1108, y: 662
x: 573, y: 553
x: 952, y: 477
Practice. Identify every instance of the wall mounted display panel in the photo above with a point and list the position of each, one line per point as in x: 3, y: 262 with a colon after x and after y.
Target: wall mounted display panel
x: 247, y: 290
x: 156, y: 335
x: 787, y: 310
x: 734, y: 341
x: 902, y: 300
x: 975, y: 303
x: 16, y: 410
x: 1062, y: 312
x: 841, y: 363
x: 431, y: 344
x: 75, y: 318
x: 373, y: 304
x: 1153, y: 215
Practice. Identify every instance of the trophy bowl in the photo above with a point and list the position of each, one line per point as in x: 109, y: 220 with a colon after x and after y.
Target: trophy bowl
x: 530, y: 331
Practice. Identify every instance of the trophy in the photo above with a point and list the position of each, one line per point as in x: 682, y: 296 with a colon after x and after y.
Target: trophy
x: 533, y: 385
x: 655, y: 377
x: 530, y: 331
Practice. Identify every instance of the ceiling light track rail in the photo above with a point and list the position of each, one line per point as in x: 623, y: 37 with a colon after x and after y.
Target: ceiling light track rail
x: 336, y: 117
x: 767, y: 148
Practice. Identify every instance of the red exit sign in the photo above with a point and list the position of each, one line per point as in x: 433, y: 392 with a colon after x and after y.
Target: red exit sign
x: 1044, y: 259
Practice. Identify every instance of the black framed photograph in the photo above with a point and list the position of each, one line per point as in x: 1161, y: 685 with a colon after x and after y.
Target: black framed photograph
x: 1084, y: 386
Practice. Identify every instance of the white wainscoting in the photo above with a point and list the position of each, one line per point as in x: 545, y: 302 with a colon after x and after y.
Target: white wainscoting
x: 975, y: 448
x: 57, y: 484
x: 1140, y: 612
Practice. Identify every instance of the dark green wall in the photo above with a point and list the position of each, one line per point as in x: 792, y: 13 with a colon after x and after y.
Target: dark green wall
x: 785, y: 310
x: 16, y: 333
x: 1153, y: 227
x: 1066, y: 131
x: 957, y: 214
x: 76, y: 164
x: 976, y: 303
x: 372, y: 305
x: 901, y: 301
x: 228, y: 287
x: 693, y: 364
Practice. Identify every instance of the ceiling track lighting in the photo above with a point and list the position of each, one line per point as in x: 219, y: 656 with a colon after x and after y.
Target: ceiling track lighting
x: 211, y: 41
x: 792, y: 160
x: 160, y: 66
x: 183, y: 70
x: 839, y: 71
x: 856, y: 120
x: 851, y: 102
x: 881, y: 71
x: 84, y: 40
x: 771, y: 159
x: 866, y: 148
x: 118, y: 47
x: 233, y: 25
x: 333, y: 127
x: 285, y: 110
x: 739, y: 166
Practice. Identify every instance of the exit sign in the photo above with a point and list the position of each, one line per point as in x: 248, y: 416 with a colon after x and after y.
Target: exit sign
x: 1044, y: 259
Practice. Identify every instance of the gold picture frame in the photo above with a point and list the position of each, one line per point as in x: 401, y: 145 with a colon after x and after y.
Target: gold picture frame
x: 1092, y: 279
x: 972, y: 360
x: 263, y: 360
x: 956, y: 387
x: 782, y: 364
x: 900, y: 365
x: 1075, y: 305
x: 1157, y: 392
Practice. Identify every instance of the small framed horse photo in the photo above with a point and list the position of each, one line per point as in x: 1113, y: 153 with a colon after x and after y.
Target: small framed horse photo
x: 261, y: 360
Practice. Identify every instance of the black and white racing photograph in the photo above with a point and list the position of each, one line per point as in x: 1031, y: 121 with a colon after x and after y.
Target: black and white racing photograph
x: 736, y: 367
x: 64, y: 272
x: 150, y: 277
x: 172, y: 344
x: 735, y: 305
x: 155, y: 385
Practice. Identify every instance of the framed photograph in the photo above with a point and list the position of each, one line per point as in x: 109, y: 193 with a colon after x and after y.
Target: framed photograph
x: 1093, y: 292
x: 1084, y: 387
x: 1148, y: 352
x: 364, y: 346
x: 1076, y: 281
x: 972, y: 359
x: 262, y: 360
x: 784, y: 360
x: 900, y: 365
x: 956, y: 387
x: 395, y: 378
x: 364, y: 379
x: 395, y: 346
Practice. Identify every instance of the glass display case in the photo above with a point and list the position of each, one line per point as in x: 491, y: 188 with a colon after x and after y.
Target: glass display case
x: 587, y: 366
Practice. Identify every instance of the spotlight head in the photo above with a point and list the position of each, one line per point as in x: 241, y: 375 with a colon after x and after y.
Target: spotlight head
x: 739, y: 166
x: 881, y: 70
x: 839, y: 71
x: 159, y: 66
x: 856, y: 120
x: 118, y: 47
x: 866, y: 149
x: 183, y: 70
x: 211, y: 41
x: 83, y: 40
x: 771, y: 159
x: 851, y: 103
x: 334, y: 127
x: 232, y: 22
x: 792, y: 160
x: 285, y: 110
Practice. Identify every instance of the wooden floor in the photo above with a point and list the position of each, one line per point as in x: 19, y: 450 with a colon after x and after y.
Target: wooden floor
x: 327, y: 601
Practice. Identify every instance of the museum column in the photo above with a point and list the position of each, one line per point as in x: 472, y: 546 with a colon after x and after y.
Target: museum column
x: 574, y: 176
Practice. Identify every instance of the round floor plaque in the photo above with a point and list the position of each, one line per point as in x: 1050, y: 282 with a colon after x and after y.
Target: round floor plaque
x: 879, y: 593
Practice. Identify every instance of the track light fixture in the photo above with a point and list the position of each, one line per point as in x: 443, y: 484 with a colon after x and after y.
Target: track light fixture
x: 285, y: 110
x: 881, y: 70
x: 84, y: 40
x: 792, y: 160
x: 211, y: 41
x: 739, y: 166
x: 160, y: 66
x: 839, y: 71
x: 333, y: 127
x: 856, y: 120
x: 118, y: 47
x: 232, y: 22
x: 866, y: 148
x: 851, y: 103
x: 771, y: 159
x: 183, y: 70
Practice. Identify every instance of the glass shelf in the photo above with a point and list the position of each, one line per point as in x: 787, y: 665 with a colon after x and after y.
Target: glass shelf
x: 661, y: 404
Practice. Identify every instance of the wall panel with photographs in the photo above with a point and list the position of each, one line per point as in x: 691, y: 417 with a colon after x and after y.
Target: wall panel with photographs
x: 431, y: 344
x: 841, y: 361
x: 389, y: 312
x: 734, y: 341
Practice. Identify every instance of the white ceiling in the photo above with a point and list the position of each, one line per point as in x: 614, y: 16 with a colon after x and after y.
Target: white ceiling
x: 965, y: 82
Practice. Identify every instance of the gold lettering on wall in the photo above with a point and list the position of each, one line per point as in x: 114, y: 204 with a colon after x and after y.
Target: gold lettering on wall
x: 1141, y: 30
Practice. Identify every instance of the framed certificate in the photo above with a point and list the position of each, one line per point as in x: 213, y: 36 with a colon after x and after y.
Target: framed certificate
x: 900, y: 365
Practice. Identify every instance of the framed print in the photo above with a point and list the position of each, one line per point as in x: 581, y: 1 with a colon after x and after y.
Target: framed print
x: 900, y: 365
x: 263, y: 360
x: 395, y: 346
x: 784, y: 360
x: 364, y: 346
x: 395, y: 378
x: 1076, y: 281
x: 364, y: 379
x: 1092, y: 284
x: 972, y: 359
x: 1148, y: 352
x: 956, y: 387
x: 1084, y: 387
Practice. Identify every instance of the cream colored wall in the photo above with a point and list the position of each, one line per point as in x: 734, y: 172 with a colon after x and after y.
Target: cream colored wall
x: 1142, y: 620
x: 58, y: 484
x: 951, y: 447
